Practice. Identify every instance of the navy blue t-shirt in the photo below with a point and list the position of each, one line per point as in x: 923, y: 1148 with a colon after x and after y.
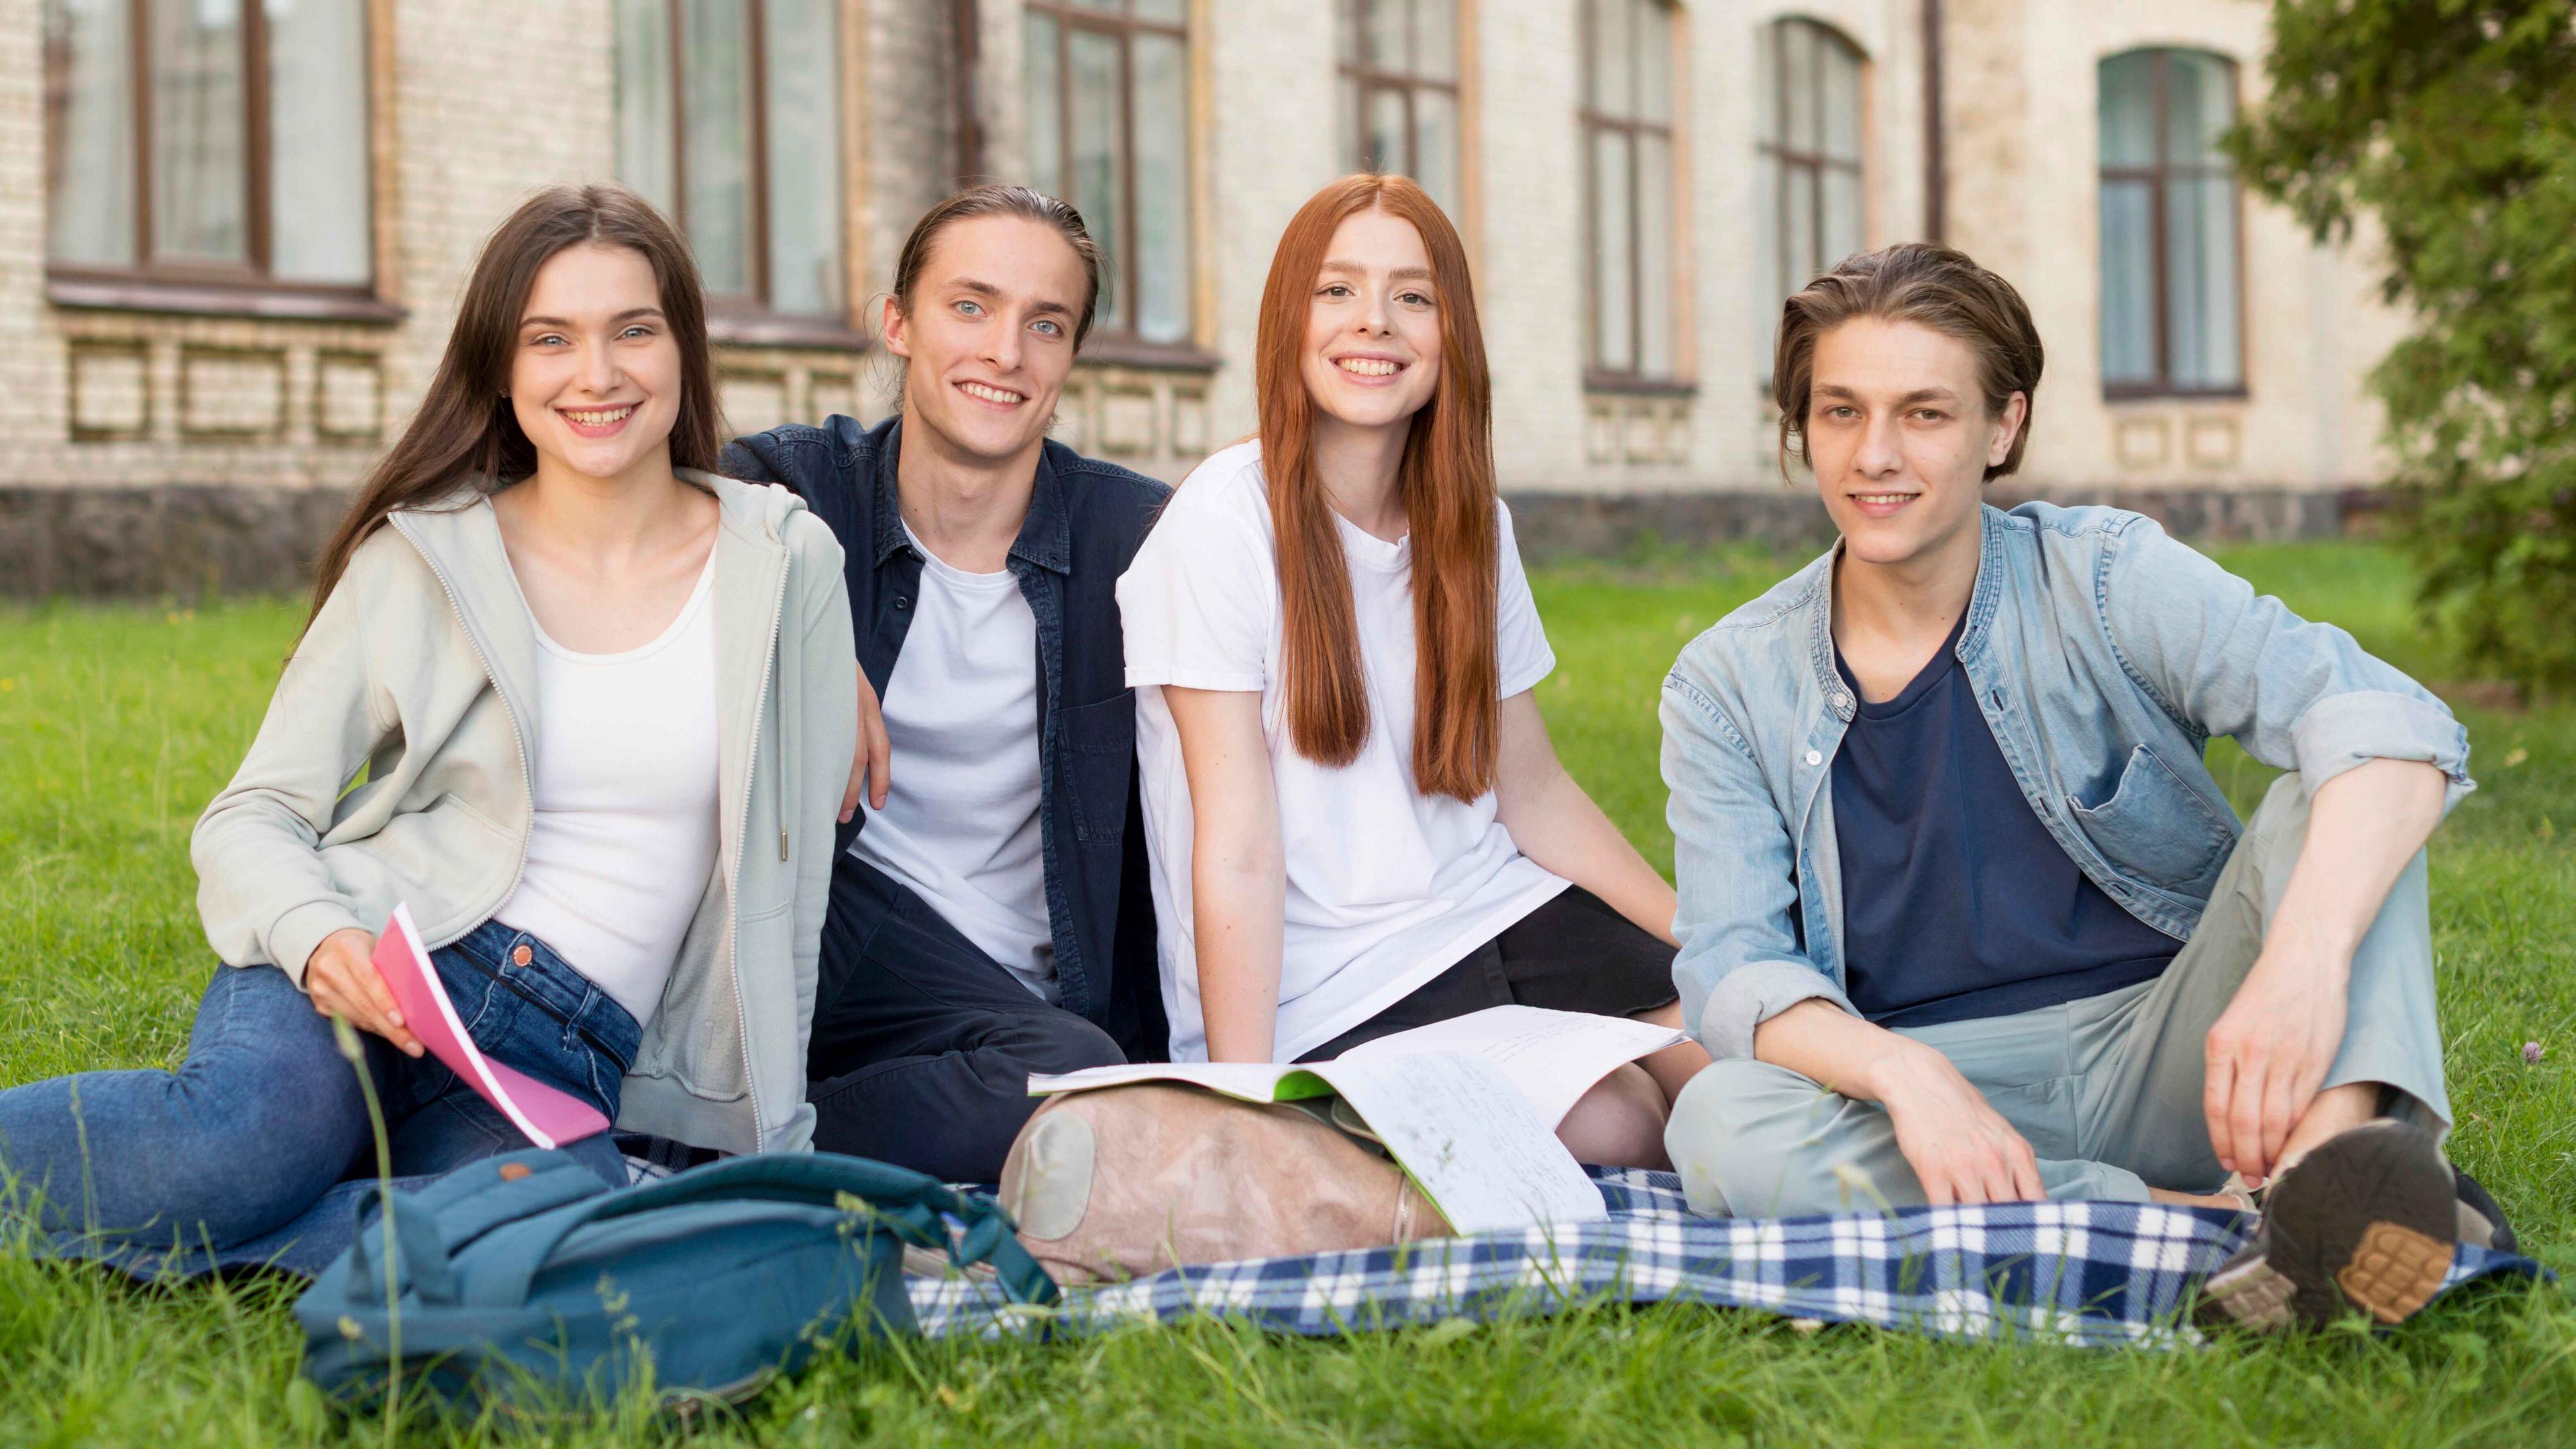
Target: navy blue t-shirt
x: 1957, y: 903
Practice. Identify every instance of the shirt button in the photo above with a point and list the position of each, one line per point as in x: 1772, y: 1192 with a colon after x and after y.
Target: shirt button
x: 1841, y: 700
x: 1815, y: 757
x: 901, y: 603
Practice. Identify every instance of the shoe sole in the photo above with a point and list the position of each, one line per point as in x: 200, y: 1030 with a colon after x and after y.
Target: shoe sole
x: 2367, y: 1221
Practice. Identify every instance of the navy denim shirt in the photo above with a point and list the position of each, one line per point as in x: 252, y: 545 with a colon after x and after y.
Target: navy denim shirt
x: 1085, y: 521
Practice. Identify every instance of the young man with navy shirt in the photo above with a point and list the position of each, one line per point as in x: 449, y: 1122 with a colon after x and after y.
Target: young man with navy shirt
x: 991, y: 916
x: 1964, y: 917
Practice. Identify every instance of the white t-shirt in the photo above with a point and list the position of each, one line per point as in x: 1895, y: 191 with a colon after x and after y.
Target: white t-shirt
x: 624, y: 839
x: 960, y: 827
x: 1387, y: 887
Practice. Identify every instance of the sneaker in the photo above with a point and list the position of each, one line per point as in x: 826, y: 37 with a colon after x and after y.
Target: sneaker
x: 2481, y: 1218
x: 2370, y: 1219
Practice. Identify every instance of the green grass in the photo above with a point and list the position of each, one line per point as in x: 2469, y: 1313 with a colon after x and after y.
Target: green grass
x: 117, y: 724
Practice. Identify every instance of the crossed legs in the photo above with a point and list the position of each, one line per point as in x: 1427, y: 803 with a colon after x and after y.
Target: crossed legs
x: 2106, y: 1090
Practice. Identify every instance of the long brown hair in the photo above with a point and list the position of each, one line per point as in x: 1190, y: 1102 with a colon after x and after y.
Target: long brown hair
x: 1446, y: 483
x: 464, y: 427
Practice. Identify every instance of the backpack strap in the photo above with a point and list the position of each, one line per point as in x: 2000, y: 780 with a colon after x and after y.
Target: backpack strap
x: 907, y: 1203
x: 447, y: 1215
x: 419, y: 1263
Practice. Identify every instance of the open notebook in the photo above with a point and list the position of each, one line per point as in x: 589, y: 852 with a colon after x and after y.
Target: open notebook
x: 1468, y: 1107
x: 550, y: 1117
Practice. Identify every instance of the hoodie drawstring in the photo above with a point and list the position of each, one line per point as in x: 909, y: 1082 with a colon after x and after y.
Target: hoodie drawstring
x: 778, y: 767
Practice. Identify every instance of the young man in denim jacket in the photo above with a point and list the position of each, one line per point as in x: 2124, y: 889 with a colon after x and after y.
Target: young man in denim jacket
x: 992, y: 918
x: 1964, y: 917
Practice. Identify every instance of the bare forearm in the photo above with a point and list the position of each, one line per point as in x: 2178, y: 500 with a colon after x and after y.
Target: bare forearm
x: 1829, y: 1046
x: 1560, y: 828
x: 1239, y: 919
x: 2363, y: 827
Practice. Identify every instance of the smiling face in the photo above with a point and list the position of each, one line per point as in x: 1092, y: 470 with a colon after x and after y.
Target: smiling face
x: 595, y: 375
x: 1372, y: 354
x: 1900, y: 437
x: 987, y: 335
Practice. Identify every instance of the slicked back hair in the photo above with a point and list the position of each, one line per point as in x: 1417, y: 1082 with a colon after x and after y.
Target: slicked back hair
x: 1931, y: 286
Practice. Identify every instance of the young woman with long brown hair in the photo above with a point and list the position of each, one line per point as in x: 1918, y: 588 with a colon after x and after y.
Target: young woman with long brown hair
x: 1358, y: 823
x: 602, y: 703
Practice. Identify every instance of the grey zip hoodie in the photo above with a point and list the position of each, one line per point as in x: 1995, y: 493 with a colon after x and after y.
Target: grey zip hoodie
x: 420, y: 672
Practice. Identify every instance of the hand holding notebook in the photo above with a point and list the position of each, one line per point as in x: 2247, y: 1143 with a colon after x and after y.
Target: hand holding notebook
x: 549, y: 1117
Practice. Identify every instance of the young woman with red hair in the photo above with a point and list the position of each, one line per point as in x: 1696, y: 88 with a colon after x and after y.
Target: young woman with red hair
x: 1357, y: 821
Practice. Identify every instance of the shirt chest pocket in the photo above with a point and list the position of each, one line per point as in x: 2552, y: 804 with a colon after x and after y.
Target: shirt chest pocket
x: 1100, y: 756
x: 2158, y: 828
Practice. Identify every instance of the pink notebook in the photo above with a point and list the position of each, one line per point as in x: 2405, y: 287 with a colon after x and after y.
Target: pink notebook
x: 549, y: 1117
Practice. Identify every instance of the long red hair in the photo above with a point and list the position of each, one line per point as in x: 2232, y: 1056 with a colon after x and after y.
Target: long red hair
x: 1446, y: 482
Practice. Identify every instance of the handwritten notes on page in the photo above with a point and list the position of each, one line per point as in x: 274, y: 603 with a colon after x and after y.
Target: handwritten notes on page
x: 1477, y: 1147
x: 1469, y: 1106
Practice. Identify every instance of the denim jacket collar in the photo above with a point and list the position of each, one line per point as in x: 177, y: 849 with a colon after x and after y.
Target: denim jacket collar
x: 1983, y: 600
x: 1046, y: 535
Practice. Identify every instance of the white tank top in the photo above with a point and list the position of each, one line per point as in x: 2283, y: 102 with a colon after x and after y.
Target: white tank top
x: 625, y: 834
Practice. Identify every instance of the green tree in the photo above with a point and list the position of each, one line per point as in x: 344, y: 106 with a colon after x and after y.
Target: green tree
x: 2452, y: 125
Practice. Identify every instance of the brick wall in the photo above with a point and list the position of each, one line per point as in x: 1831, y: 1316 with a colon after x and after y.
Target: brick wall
x: 482, y: 100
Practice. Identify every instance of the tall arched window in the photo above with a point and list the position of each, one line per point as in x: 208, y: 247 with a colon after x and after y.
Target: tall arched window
x: 1628, y: 49
x: 1400, y: 91
x: 1808, y: 127
x: 218, y: 145
x: 728, y: 119
x: 2169, y: 226
x: 1109, y: 128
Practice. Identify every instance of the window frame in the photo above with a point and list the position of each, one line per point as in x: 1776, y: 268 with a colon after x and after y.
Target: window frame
x: 1123, y: 277
x: 2158, y: 175
x: 1815, y: 164
x: 200, y: 285
x: 751, y: 318
x: 1368, y: 80
x: 1590, y: 122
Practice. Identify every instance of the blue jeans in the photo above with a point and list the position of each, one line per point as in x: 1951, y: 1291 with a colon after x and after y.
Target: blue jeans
x: 254, y: 1150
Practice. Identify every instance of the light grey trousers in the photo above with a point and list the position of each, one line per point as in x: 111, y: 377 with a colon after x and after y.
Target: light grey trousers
x: 2106, y: 1090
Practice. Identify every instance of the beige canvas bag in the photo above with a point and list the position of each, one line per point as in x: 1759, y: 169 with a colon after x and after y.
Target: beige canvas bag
x: 1122, y: 1181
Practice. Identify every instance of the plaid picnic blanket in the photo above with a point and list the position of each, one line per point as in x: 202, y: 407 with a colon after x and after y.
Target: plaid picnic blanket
x: 2084, y: 1273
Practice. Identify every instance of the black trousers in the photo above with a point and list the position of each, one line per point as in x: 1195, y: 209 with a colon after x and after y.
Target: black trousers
x: 923, y: 1045
x: 1573, y: 954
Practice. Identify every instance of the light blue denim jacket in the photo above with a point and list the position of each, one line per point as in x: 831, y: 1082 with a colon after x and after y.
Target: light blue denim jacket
x: 2104, y: 655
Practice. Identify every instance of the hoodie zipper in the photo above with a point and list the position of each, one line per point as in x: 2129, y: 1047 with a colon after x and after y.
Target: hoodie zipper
x: 742, y: 849
x: 518, y: 737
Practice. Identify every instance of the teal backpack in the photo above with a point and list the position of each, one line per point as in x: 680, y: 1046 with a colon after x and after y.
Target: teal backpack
x: 526, y: 1281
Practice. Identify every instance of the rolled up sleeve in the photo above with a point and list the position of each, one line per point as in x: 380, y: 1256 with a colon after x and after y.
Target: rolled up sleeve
x: 2297, y: 694
x: 1734, y: 863
x: 2341, y: 731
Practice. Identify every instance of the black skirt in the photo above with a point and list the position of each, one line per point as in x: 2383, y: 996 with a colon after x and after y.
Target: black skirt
x: 1573, y: 954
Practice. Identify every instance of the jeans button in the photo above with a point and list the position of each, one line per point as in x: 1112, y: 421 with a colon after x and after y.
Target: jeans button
x: 521, y: 955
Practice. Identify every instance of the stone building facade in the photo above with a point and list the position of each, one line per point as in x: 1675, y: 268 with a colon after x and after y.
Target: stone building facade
x: 232, y: 232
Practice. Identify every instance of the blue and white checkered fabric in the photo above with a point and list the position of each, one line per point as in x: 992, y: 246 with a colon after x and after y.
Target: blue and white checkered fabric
x: 2083, y: 1273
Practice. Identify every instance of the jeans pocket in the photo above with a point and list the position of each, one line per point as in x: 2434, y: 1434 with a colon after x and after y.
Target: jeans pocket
x: 607, y: 1082
x: 2044, y: 1113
